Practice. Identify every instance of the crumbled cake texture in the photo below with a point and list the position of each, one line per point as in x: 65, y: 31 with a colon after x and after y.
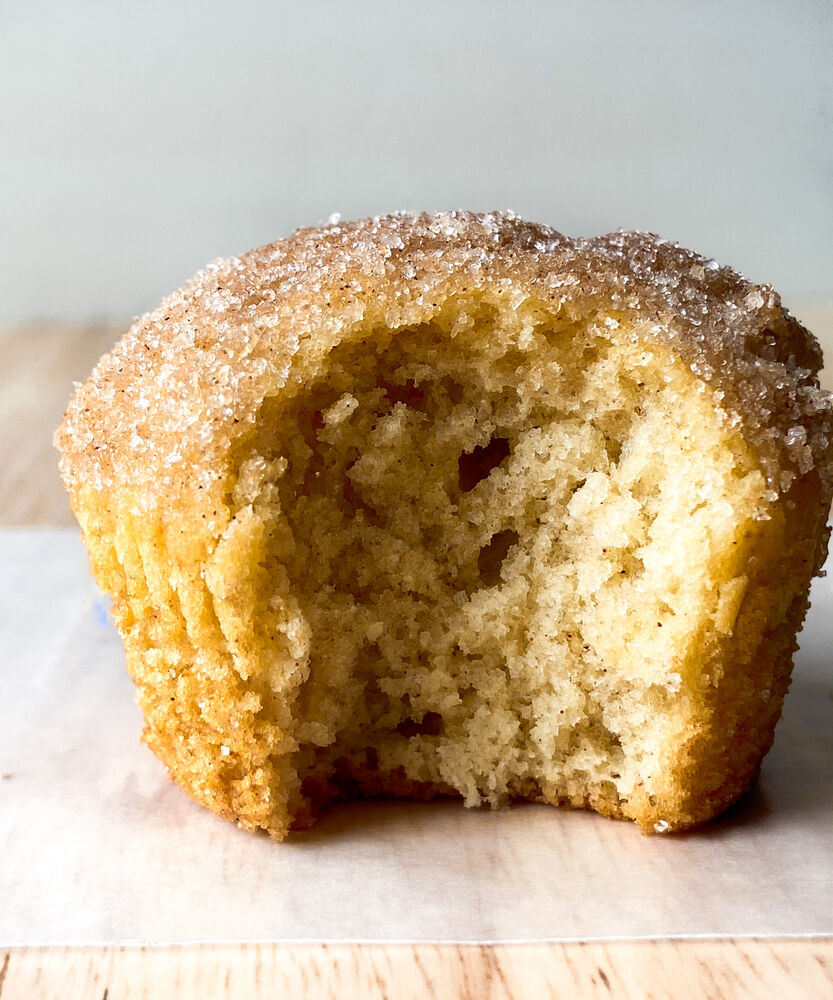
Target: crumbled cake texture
x: 453, y: 504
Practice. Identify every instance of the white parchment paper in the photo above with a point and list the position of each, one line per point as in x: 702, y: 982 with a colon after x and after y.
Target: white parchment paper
x: 98, y: 846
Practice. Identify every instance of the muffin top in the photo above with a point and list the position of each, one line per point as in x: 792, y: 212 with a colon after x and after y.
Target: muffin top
x: 162, y: 412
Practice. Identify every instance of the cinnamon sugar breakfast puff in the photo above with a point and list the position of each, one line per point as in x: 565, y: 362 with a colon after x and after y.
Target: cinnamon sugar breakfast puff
x: 453, y: 504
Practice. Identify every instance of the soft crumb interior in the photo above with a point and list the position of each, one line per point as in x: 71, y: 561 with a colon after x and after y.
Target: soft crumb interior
x: 505, y: 534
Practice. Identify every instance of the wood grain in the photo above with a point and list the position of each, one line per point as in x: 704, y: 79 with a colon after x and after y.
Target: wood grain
x: 751, y: 968
x: 37, y: 367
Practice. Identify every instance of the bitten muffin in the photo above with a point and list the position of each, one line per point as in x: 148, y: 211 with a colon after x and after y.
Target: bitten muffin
x: 453, y: 504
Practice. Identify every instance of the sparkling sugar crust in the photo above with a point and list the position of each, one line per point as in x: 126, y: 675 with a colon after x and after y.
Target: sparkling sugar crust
x: 163, y: 411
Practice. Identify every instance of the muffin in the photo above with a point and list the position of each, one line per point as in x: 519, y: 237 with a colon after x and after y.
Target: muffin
x: 451, y: 504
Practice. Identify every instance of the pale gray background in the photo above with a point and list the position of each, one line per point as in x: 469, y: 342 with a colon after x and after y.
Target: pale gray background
x: 139, y: 140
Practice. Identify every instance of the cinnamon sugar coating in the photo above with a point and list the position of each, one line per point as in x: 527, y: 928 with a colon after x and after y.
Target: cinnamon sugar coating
x: 165, y: 407
x: 454, y: 504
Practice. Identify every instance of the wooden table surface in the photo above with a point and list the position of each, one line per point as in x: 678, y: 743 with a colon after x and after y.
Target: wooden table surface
x: 37, y: 366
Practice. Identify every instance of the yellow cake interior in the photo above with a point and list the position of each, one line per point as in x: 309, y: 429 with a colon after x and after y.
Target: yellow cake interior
x: 494, y: 552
